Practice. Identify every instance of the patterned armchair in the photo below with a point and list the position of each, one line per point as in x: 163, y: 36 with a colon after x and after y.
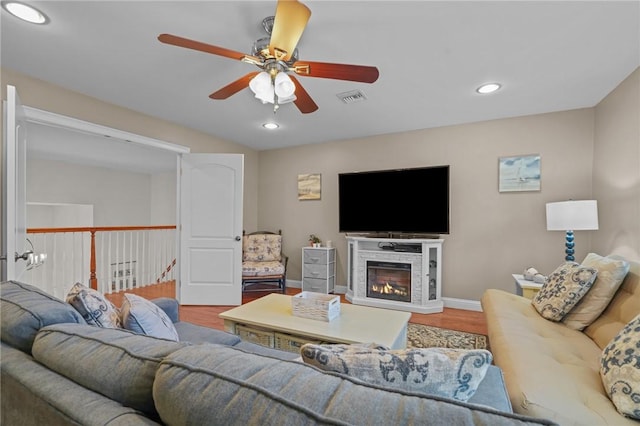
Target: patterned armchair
x: 264, y: 266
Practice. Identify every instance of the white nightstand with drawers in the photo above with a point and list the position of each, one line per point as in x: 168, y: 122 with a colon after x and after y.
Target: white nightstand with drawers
x: 318, y: 269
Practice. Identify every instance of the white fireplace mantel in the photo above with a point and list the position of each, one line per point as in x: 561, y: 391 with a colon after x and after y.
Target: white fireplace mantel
x: 425, y: 257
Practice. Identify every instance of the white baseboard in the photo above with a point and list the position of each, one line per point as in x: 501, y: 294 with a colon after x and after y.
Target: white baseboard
x: 468, y: 305
x: 340, y: 289
x: 294, y: 283
x: 449, y: 302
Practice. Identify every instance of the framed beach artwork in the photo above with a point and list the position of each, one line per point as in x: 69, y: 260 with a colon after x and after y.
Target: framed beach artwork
x: 309, y: 186
x: 518, y: 174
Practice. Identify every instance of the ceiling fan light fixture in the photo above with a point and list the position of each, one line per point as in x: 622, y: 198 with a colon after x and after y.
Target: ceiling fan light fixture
x: 488, y: 88
x: 261, y: 83
x: 25, y: 12
x: 284, y: 87
x: 278, y: 54
x: 267, y: 95
x: 267, y: 88
x: 286, y: 99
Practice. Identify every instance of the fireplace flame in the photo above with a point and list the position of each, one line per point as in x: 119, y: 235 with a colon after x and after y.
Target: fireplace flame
x: 387, y: 288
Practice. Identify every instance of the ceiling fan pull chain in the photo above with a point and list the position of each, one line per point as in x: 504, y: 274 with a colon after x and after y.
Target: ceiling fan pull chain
x: 276, y: 105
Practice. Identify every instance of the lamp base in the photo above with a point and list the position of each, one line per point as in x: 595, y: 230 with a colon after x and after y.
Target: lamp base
x: 569, y: 244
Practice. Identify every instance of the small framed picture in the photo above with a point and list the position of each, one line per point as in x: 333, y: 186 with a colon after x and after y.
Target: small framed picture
x: 518, y: 174
x: 309, y: 186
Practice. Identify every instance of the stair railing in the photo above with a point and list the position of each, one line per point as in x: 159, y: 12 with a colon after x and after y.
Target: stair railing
x: 108, y: 259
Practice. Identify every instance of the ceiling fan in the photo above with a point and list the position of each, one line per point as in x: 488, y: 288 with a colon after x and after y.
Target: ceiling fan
x: 277, y: 56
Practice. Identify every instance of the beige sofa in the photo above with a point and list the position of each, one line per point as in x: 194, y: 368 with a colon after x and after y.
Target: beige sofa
x: 553, y: 371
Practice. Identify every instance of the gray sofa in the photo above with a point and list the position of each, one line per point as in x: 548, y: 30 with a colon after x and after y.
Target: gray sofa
x: 57, y: 370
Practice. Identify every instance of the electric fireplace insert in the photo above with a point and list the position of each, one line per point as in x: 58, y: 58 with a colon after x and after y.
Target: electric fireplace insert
x: 389, y: 280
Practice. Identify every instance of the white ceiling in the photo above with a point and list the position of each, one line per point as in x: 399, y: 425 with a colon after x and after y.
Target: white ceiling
x: 550, y: 56
x: 71, y: 146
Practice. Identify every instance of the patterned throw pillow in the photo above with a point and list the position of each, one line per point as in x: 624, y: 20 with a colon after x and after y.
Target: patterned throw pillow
x: 452, y: 373
x: 611, y: 273
x: 145, y: 317
x: 620, y: 369
x: 563, y: 289
x: 94, y: 307
x: 262, y: 248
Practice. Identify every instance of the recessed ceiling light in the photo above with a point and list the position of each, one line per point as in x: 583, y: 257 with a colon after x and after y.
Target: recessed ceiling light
x: 270, y: 125
x: 25, y: 12
x: 488, y: 88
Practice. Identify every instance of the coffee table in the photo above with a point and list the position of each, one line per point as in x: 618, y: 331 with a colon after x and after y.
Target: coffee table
x: 270, y: 317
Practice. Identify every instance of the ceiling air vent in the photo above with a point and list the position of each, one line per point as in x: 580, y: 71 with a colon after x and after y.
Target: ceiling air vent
x: 352, y: 97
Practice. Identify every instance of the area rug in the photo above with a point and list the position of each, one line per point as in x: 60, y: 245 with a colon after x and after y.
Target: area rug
x: 425, y: 336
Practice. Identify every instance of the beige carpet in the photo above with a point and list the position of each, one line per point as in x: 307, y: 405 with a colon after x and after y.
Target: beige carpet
x: 425, y: 336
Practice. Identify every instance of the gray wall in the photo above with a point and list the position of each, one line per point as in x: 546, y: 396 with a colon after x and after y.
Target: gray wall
x: 616, y: 170
x: 585, y: 153
x: 492, y: 234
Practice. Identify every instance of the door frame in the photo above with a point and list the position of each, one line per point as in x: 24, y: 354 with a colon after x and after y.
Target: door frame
x: 38, y: 116
x: 13, y: 156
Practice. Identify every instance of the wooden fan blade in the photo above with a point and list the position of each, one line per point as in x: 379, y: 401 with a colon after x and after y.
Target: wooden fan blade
x: 303, y: 101
x: 235, y: 87
x: 202, y: 47
x: 289, y: 24
x: 361, y: 73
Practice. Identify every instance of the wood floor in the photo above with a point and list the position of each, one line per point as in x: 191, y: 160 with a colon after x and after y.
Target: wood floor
x: 454, y: 319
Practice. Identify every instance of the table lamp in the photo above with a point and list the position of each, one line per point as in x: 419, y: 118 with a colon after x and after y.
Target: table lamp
x: 569, y: 216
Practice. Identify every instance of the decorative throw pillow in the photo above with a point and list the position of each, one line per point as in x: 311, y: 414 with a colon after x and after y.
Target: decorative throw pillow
x: 620, y: 369
x: 262, y: 248
x: 145, y: 317
x: 94, y: 307
x: 452, y: 373
x: 563, y: 289
x: 611, y: 273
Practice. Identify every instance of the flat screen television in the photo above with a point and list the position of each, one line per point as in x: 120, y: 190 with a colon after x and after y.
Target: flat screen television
x: 407, y: 201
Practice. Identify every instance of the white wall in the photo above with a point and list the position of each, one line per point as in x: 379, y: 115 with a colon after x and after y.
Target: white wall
x: 163, y: 199
x: 119, y: 198
x: 57, y: 215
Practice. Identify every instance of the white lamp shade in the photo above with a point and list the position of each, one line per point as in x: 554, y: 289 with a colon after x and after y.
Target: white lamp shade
x: 284, y: 86
x: 266, y: 96
x: 261, y: 83
x: 576, y: 215
x: 286, y: 100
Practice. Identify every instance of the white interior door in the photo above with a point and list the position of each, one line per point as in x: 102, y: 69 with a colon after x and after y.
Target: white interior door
x: 210, y: 223
x: 14, y: 223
